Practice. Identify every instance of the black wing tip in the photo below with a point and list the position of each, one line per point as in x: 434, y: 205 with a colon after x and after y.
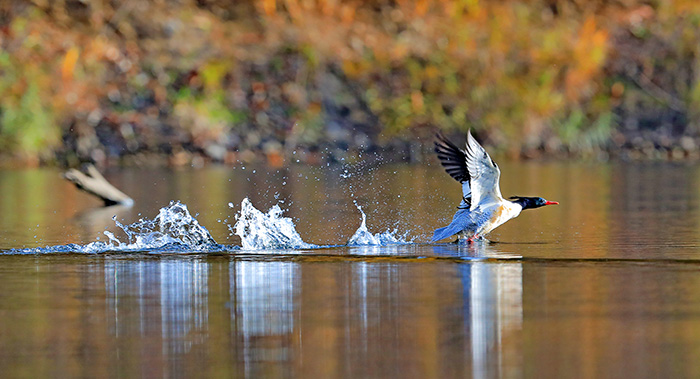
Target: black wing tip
x: 452, y: 158
x: 443, y: 143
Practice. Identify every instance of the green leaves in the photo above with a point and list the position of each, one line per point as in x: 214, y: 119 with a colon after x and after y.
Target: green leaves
x: 27, y: 126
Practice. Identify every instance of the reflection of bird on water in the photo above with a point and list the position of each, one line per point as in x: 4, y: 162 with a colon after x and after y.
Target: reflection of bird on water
x: 483, y: 208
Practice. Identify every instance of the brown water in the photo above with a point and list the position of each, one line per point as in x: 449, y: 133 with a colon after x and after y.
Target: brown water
x: 605, y: 285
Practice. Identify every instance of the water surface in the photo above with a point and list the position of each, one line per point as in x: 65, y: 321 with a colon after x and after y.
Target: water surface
x: 605, y: 285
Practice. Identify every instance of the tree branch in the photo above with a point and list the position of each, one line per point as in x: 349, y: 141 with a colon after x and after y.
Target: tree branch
x: 95, y: 184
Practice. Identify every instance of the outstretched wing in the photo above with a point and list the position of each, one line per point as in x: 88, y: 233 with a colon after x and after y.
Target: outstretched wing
x: 483, y: 172
x: 455, y: 162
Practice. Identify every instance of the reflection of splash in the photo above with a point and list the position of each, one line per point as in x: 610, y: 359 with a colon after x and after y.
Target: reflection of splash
x: 263, y: 309
x: 436, y: 318
x: 364, y: 279
x: 178, y: 289
x: 184, y: 305
x: 269, y: 230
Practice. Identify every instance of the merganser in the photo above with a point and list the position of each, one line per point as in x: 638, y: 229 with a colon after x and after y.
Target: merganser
x: 482, y: 209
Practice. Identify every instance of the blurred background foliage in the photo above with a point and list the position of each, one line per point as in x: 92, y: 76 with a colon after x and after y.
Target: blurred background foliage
x: 183, y: 81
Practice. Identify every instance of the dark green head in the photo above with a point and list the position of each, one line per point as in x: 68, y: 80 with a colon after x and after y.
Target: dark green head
x: 531, y: 202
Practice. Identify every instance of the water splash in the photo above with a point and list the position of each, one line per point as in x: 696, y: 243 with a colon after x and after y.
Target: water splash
x: 173, y: 225
x: 174, y: 229
x: 269, y: 230
x: 363, y: 237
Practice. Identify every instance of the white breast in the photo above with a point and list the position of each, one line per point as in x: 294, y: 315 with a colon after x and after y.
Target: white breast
x: 503, y: 212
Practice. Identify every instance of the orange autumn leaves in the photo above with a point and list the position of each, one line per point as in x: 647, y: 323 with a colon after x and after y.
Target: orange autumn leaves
x: 589, y: 53
x: 504, y: 64
x: 536, y: 68
x: 453, y: 64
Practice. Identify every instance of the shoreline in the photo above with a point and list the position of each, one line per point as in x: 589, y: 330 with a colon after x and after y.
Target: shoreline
x: 397, y: 151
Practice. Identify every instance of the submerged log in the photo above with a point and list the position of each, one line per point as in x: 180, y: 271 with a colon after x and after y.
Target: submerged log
x: 95, y: 184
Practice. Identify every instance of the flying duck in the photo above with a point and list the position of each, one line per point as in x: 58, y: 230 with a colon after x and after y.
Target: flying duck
x: 482, y: 209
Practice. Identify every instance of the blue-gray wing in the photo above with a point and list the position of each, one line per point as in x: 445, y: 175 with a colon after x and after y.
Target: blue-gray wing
x: 484, y: 174
x: 455, y: 162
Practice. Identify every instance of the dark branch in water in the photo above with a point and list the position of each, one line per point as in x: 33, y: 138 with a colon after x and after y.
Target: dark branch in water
x: 95, y: 184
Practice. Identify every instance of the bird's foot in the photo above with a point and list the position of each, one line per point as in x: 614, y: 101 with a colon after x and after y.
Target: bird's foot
x: 468, y: 240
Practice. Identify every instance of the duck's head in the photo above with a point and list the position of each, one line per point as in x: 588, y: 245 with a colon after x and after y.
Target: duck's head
x: 531, y: 202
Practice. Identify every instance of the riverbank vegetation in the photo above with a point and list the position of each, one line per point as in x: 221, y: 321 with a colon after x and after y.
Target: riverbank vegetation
x: 183, y: 81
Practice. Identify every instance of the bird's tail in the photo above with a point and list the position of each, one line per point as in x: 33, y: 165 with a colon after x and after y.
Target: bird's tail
x: 461, y: 221
x: 441, y: 233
